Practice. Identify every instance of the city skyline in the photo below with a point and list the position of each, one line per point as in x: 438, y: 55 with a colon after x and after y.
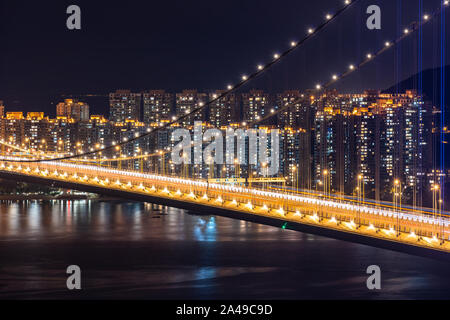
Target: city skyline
x: 373, y: 135
x: 104, y: 107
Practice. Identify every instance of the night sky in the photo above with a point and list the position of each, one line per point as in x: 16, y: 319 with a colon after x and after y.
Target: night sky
x: 177, y: 45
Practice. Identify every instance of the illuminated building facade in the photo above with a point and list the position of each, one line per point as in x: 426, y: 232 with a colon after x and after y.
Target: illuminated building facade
x: 70, y: 108
x: 375, y: 138
x: 2, y: 109
x: 255, y: 105
x: 157, y: 106
x: 186, y: 102
x: 223, y: 111
x: 330, y: 142
x: 124, y: 105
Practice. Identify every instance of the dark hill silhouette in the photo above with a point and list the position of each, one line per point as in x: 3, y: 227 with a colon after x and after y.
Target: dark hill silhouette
x: 431, y: 87
x: 432, y: 92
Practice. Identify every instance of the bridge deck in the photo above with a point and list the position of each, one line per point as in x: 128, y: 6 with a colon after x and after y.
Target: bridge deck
x: 396, y: 228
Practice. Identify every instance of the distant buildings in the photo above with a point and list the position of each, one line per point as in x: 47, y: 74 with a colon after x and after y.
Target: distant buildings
x: 330, y: 142
x: 12, y: 128
x: 255, y: 105
x: 297, y: 113
x: 225, y: 110
x: 2, y: 109
x: 186, y: 102
x: 158, y: 105
x: 79, y: 111
x: 375, y: 139
x: 124, y: 105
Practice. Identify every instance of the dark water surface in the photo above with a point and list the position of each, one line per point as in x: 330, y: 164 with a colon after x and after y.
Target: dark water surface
x: 129, y: 251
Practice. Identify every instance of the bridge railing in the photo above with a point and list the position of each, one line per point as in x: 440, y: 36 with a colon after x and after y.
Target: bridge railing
x: 421, y: 224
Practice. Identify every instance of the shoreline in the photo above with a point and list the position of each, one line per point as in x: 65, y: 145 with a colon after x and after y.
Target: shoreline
x: 38, y: 197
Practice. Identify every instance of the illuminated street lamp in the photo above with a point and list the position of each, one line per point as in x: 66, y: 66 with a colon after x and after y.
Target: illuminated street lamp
x: 361, y: 192
x: 44, y: 144
x: 437, y: 201
x: 295, y: 177
x: 398, y: 202
x: 325, y: 181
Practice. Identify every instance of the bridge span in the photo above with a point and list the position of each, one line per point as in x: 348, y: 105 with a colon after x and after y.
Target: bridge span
x: 405, y: 230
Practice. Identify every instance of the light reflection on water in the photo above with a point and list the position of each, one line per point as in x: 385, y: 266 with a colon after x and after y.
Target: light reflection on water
x: 136, y: 250
x: 40, y: 220
x: 205, y: 229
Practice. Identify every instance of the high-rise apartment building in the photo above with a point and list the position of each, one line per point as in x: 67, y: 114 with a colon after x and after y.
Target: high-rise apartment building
x: 63, y: 134
x: 384, y: 138
x: 74, y: 109
x: 255, y: 105
x: 13, y: 129
x: 157, y: 106
x: 186, y: 102
x: 37, y: 130
x: 298, y: 107
x: 223, y: 111
x: 334, y: 142
x: 2, y: 109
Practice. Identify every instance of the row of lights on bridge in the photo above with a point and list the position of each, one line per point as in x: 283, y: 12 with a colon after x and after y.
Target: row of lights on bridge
x: 249, y: 206
x: 371, y: 56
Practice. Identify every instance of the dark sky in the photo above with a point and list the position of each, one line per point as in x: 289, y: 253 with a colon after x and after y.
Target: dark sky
x: 199, y: 44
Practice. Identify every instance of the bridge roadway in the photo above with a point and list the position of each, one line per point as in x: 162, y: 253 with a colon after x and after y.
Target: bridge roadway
x: 420, y: 233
